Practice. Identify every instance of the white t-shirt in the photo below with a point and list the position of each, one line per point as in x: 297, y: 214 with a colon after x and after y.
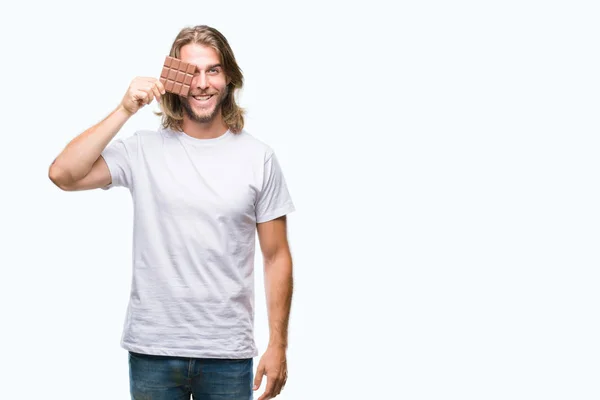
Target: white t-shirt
x: 196, y: 204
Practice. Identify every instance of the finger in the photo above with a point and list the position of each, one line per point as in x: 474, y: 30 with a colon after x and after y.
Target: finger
x: 268, y: 394
x: 149, y: 94
x: 147, y: 80
x: 140, y: 97
x: 156, y: 83
x: 278, y: 386
x: 161, y: 87
x: 260, y: 371
x: 156, y: 92
x: 282, y: 381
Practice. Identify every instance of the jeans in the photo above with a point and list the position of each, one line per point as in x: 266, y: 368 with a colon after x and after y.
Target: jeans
x: 176, y: 378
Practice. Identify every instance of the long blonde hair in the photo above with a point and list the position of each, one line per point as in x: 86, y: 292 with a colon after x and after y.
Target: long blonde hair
x: 233, y: 114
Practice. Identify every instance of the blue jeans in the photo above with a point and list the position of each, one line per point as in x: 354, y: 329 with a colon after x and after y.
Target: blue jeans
x: 177, y: 378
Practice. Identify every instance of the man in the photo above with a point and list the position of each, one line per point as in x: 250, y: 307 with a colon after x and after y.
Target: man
x: 201, y: 188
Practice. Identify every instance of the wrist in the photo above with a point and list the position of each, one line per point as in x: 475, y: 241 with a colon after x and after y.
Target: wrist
x: 123, y: 111
x: 277, y: 344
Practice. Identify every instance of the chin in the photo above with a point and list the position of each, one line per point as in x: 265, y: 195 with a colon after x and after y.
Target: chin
x: 200, y: 115
x: 205, y: 117
x: 203, y: 112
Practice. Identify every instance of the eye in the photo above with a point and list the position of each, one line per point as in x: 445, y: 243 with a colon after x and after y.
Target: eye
x: 213, y: 70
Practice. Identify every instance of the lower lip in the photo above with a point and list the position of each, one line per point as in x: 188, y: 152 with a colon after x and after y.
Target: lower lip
x: 202, y: 102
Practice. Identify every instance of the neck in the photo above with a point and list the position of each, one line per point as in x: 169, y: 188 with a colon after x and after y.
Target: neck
x: 204, y: 130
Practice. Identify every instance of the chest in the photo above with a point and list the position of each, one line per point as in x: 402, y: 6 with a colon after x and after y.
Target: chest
x: 200, y: 185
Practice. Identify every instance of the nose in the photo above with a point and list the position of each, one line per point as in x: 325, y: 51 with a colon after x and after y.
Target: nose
x: 201, y: 81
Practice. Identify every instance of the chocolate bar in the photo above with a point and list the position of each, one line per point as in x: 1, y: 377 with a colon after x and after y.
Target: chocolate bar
x: 176, y: 76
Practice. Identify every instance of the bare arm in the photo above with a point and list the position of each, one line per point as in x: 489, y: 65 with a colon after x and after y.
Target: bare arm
x: 278, y: 278
x: 81, y: 157
x: 279, y: 286
x: 79, y: 166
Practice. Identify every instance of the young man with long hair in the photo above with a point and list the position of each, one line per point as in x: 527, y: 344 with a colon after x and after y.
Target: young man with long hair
x: 201, y: 187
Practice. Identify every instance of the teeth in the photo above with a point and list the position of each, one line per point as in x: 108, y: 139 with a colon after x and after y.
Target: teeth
x: 202, y: 97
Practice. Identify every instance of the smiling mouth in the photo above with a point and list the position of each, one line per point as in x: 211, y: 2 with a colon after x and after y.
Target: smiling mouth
x: 203, y: 98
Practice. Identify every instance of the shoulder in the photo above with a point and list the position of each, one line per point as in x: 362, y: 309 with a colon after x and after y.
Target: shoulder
x: 154, y: 134
x: 147, y: 137
x: 253, y: 145
x: 136, y: 143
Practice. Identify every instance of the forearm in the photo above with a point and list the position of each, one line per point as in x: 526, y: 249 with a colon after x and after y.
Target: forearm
x: 78, y: 157
x: 279, y: 289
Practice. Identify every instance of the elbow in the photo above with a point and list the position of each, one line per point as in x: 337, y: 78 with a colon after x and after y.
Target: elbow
x: 280, y: 258
x: 59, y: 177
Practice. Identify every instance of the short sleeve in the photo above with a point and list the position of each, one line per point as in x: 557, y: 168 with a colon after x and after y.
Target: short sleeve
x: 118, y: 159
x: 274, y: 199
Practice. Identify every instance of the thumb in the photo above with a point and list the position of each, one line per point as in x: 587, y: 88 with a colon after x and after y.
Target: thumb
x: 260, y: 371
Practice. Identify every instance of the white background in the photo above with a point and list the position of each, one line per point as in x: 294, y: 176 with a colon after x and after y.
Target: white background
x: 442, y: 156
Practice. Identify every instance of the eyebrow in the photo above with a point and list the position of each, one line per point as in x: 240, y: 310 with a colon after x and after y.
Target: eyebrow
x: 210, y: 66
